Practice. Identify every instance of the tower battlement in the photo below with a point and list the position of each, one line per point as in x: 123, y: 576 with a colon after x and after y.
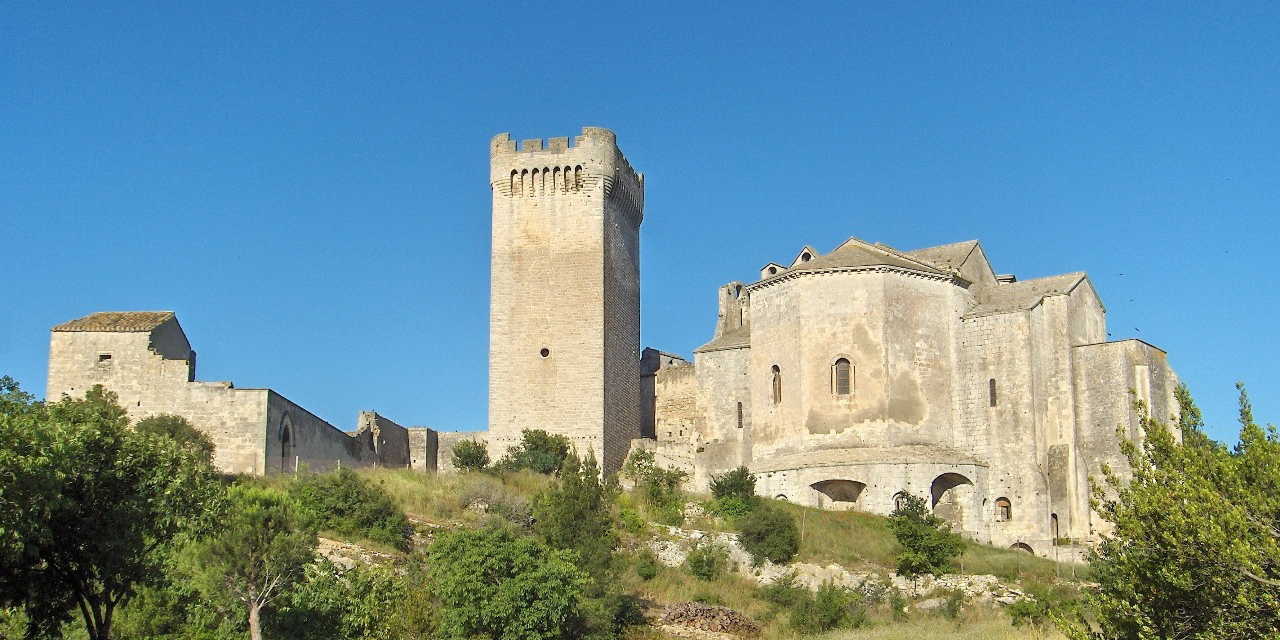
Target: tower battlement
x: 547, y: 167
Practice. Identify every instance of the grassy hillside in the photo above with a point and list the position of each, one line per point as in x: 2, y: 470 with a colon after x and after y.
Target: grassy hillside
x: 858, y: 541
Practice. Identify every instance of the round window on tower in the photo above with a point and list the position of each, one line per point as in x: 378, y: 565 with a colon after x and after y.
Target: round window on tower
x: 545, y: 352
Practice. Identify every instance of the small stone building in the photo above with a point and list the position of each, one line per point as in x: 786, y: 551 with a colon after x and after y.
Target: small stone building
x: 145, y: 358
x: 842, y: 380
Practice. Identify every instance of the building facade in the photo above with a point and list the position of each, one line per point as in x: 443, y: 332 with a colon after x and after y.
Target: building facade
x: 145, y: 359
x: 842, y: 380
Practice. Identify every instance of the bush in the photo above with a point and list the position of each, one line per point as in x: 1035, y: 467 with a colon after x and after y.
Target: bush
x: 769, y: 533
x: 952, y: 604
x: 730, y: 508
x: 179, y: 430
x: 832, y: 607
x: 707, y: 562
x: 470, y: 455
x: 928, y: 544
x: 348, y: 504
x: 658, y: 487
x: 1042, y: 602
x: 646, y: 565
x: 739, y: 483
x: 784, y: 591
x: 575, y: 514
x: 494, y: 584
x: 538, y: 451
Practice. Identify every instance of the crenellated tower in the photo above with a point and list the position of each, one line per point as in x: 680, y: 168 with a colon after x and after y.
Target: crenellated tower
x: 564, y: 330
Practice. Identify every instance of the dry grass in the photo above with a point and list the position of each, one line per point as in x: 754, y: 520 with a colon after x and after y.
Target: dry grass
x: 994, y: 626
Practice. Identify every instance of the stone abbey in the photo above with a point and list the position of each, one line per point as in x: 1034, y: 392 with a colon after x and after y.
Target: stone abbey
x: 841, y: 380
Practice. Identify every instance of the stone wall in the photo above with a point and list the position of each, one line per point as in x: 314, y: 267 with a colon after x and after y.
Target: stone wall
x: 388, y: 439
x: 424, y: 449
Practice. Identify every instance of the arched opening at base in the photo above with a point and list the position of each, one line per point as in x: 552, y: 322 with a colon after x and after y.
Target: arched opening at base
x: 1022, y: 546
x: 951, y: 493
x: 843, y: 494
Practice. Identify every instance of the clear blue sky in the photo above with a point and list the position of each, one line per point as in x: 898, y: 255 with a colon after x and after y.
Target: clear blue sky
x: 306, y: 185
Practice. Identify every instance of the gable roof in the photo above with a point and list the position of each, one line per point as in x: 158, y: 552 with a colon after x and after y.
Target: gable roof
x: 1020, y: 296
x: 118, y: 321
x: 856, y: 253
x: 947, y: 256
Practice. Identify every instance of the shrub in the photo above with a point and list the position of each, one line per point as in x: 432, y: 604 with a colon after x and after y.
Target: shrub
x: 179, y: 430
x: 832, y: 607
x: 348, y: 504
x: 928, y: 544
x: 952, y: 604
x: 730, y: 508
x: 785, y: 592
x: 657, y: 486
x: 575, y: 514
x: 707, y: 562
x: 769, y: 533
x: 1042, y: 602
x: 538, y: 451
x: 739, y: 483
x: 646, y: 565
x: 494, y: 584
x: 470, y: 455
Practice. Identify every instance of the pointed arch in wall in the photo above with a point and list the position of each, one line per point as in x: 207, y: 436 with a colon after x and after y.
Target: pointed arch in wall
x: 950, y: 494
x: 288, y: 444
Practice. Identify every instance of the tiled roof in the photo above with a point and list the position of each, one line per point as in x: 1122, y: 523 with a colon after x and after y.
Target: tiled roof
x: 736, y: 339
x: 947, y: 256
x: 118, y: 321
x: 1020, y: 296
x: 856, y: 253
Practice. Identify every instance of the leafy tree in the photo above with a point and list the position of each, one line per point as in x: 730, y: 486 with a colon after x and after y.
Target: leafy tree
x: 179, y: 430
x: 470, y: 455
x: 258, y: 554
x: 739, y: 483
x: 1196, y: 546
x: 91, y: 507
x: 928, y: 543
x: 347, y: 503
x: 575, y: 514
x: 538, y: 451
x: 659, y: 487
x: 494, y: 584
x: 360, y: 603
x: 769, y: 533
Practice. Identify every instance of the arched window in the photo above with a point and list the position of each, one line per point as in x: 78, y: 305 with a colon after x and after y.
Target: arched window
x: 842, y: 378
x: 1004, y: 510
x: 991, y: 391
x: 286, y: 444
x: 515, y: 182
x: 777, y: 385
x: 1053, y: 527
x: 739, y: 415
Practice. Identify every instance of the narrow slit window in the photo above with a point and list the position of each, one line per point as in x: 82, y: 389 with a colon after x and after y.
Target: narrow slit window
x: 842, y: 378
x: 739, y: 415
x: 991, y: 391
x: 777, y: 385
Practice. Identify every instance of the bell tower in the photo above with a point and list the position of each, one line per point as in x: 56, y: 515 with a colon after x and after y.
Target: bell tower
x: 564, y: 327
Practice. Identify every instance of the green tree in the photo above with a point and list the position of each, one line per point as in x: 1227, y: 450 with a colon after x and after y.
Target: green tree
x: 347, y: 503
x: 575, y: 514
x: 494, y: 584
x: 258, y: 554
x: 470, y: 455
x: 364, y: 602
x: 657, y: 486
x: 739, y: 483
x: 769, y: 533
x: 91, y: 507
x: 928, y: 543
x: 178, y: 429
x: 538, y: 451
x: 1195, y: 550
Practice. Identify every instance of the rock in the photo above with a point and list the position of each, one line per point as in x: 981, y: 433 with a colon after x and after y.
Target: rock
x: 709, y: 618
x: 930, y: 604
